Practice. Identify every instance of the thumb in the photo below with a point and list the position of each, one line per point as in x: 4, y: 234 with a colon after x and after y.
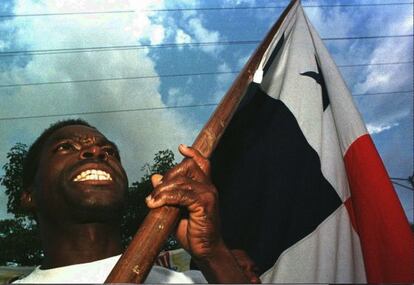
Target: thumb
x: 156, y: 180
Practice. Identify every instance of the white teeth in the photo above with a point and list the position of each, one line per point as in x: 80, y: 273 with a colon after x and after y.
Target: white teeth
x: 93, y: 174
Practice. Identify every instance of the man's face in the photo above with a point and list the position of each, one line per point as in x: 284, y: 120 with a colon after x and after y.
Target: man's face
x: 79, y: 177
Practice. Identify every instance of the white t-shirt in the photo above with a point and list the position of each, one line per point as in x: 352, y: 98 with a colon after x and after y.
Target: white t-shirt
x: 97, y: 271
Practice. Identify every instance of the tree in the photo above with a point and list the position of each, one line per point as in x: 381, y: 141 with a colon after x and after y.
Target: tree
x: 13, y: 179
x: 19, y: 242
x: 136, y: 209
x: 19, y: 239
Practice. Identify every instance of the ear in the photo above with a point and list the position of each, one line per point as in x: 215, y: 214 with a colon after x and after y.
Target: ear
x: 27, y: 201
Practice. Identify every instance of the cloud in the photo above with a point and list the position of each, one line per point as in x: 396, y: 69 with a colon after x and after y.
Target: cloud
x: 201, y: 34
x: 391, y: 78
x: 177, y: 97
x: 388, y: 79
x: 224, y: 79
x: 3, y: 45
x: 139, y: 134
x: 242, y: 61
x: 182, y: 37
x: 231, y: 3
x: 376, y: 129
x: 388, y: 117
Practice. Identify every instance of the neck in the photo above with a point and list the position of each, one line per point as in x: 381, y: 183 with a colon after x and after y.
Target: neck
x: 79, y: 243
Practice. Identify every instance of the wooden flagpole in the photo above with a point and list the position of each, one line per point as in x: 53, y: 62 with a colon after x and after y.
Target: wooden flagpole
x: 136, y: 262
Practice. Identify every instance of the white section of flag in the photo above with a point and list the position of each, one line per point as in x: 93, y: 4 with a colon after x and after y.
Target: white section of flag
x: 331, y: 253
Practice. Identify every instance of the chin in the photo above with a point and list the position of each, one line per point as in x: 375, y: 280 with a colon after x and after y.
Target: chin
x: 98, y: 213
x: 96, y: 208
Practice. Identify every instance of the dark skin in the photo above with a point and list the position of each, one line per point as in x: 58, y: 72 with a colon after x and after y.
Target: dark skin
x: 79, y: 213
x: 250, y: 269
x: 75, y: 217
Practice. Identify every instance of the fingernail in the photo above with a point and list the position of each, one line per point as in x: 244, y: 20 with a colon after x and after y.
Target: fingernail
x: 148, y: 198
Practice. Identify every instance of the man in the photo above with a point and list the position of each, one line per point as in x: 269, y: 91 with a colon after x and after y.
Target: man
x: 75, y: 185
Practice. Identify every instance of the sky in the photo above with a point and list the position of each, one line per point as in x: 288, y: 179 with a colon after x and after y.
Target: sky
x: 141, y: 133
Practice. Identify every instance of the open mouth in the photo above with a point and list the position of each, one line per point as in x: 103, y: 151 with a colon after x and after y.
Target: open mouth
x: 93, y: 175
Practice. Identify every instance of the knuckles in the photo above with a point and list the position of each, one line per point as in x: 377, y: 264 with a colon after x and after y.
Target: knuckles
x: 187, y: 193
x: 188, y: 183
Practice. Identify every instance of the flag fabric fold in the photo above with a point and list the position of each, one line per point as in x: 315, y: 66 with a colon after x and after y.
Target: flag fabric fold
x: 302, y: 187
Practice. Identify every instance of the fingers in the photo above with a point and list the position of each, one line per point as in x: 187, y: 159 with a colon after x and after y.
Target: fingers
x: 156, y: 180
x: 247, y: 264
x: 184, y: 192
x: 185, y: 184
x: 202, y: 162
x: 179, y: 197
x: 194, y: 166
x: 187, y: 168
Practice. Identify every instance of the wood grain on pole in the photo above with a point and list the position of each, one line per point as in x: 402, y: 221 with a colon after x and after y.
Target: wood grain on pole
x: 136, y: 262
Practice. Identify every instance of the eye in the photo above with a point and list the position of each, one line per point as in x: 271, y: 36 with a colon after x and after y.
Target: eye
x: 111, y: 151
x: 65, y: 146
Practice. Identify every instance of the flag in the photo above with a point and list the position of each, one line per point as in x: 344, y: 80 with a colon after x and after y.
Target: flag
x: 302, y: 188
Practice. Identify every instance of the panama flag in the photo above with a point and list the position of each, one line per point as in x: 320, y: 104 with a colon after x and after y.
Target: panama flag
x: 302, y: 187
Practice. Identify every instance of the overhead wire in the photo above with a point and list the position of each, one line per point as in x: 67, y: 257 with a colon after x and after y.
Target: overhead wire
x: 96, y: 49
x: 117, y: 79
x: 397, y: 178
x: 127, y: 110
x: 376, y: 64
x: 109, y: 111
x: 383, y: 93
x: 176, y: 75
x: 122, y: 47
x: 168, y: 45
x: 199, y: 9
x: 402, y: 185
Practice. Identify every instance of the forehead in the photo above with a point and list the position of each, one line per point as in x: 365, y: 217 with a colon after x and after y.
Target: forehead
x: 76, y: 132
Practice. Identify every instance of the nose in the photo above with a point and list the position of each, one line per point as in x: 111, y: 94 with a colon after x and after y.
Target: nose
x: 93, y: 151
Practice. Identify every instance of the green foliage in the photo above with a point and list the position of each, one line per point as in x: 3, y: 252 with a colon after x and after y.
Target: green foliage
x: 19, y: 238
x: 13, y: 178
x: 136, y: 210
x: 19, y: 242
x: 163, y: 161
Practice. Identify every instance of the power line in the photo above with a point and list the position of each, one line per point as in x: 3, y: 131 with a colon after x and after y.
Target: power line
x: 409, y: 180
x: 365, y: 37
x: 66, y: 14
x: 188, y: 74
x: 382, y: 93
x: 402, y: 179
x: 122, y: 47
x: 168, y: 45
x: 402, y: 185
x: 177, y: 75
x: 110, y: 111
x: 376, y: 64
x: 117, y: 79
x: 118, y: 111
x: 197, y: 9
x: 275, y: 7
x: 358, y: 5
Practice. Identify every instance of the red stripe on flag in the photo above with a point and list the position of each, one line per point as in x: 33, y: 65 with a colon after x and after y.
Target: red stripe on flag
x: 387, y: 241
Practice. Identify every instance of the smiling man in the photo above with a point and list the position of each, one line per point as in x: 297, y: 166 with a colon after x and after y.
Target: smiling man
x: 75, y: 184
